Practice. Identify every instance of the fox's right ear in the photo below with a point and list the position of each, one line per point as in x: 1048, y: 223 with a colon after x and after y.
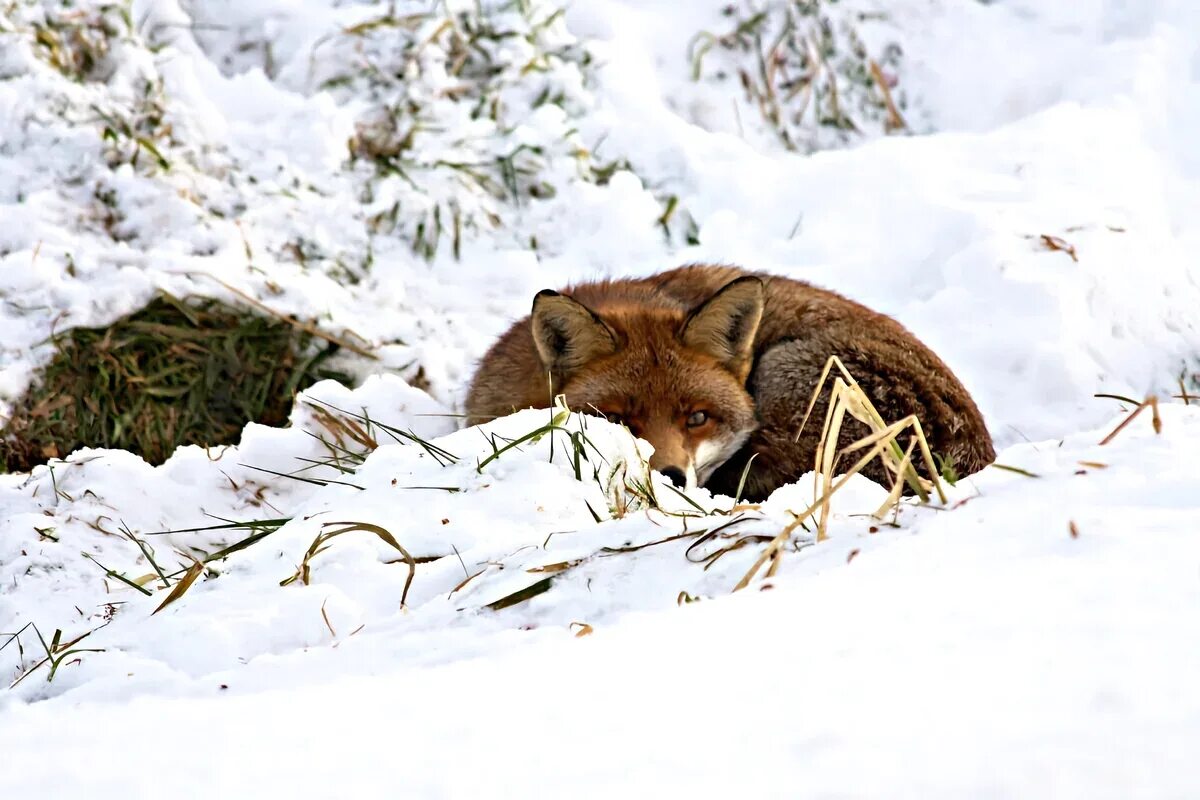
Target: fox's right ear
x: 568, y: 334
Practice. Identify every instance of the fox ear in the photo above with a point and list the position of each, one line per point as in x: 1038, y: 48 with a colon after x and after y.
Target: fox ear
x: 568, y: 334
x: 723, y: 326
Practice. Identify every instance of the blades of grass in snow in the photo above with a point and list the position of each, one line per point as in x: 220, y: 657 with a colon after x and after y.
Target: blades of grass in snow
x: 706, y: 535
x: 147, y: 551
x: 461, y: 563
x: 341, y: 458
x: 557, y: 567
x: 1183, y: 394
x: 345, y: 426
x: 441, y: 455
x: 737, y: 544
x: 531, y: 437
x: 464, y: 582
x: 1156, y: 420
x: 687, y: 499
x: 1121, y: 397
x: 893, y: 499
x: 631, y: 548
x: 737, y: 497
x: 57, y: 661
x: 269, y: 525
x: 321, y: 543
x: 241, y: 544
x: 259, y: 530
x: 354, y: 456
x: 325, y: 616
x: 58, y: 493
x: 522, y: 595
x: 118, y: 576
x: 182, y: 585
x: 56, y: 651
x: 301, y: 478
x: 847, y: 397
x: 330, y: 462
x: 16, y: 638
x: 592, y: 511
x: 895, y: 121
x: 1017, y: 470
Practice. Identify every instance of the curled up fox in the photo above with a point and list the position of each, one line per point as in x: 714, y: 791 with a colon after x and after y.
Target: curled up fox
x: 714, y: 364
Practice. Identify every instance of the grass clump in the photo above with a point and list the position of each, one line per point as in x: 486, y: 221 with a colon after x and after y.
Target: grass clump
x: 819, y: 74
x: 467, y: 110
x: 96, y: 45
x: 78, y: 41
x: 176, y: 372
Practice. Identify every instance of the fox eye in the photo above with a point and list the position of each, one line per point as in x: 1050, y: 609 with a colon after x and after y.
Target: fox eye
x: 697, y: 419
x: 614, y: 417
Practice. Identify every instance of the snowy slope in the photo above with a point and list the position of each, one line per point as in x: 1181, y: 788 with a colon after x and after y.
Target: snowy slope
x: 982, y: 651
x: 1037, y: 636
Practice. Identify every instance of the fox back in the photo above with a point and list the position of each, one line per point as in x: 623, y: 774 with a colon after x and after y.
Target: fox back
x: 715, y: 365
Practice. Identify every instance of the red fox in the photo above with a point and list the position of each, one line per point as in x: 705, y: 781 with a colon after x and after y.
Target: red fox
x: 715, y: 364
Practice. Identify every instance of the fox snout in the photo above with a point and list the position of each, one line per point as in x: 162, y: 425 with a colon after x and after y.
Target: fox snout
x: 674, y: 377
x: 675, y: 475
x: 675, y: 466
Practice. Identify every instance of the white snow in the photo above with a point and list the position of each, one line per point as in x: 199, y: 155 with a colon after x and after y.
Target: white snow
x: 1037, y: 636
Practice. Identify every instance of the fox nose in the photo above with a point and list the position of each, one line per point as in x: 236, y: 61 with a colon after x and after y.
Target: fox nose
x: 674, y: 475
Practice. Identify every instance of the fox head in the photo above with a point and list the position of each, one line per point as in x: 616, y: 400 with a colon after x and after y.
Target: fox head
x: 675, y: 378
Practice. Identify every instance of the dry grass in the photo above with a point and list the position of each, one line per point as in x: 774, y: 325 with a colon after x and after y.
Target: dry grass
x: 882, y: 443
x: 1156, y: 421
x: 329, y: 532
x: 804, y: 66
x: 77, y: 41
x: 176, y: 372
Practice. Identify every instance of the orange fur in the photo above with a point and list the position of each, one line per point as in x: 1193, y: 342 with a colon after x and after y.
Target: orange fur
x: 712, y: 365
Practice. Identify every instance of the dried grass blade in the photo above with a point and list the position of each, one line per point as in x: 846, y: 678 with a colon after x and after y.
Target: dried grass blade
x: 182, y: 585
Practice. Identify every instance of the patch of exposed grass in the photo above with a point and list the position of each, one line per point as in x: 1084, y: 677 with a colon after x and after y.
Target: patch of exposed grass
x: 176, y: 372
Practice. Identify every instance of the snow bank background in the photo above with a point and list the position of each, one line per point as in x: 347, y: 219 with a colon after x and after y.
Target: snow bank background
x: 900, y: 661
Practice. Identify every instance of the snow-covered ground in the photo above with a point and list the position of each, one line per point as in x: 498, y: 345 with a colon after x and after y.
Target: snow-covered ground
x: 1037, y: 636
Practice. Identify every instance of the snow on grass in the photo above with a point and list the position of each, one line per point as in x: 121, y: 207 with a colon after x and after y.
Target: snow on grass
x: 1031, y: 637
x: 885, y: 661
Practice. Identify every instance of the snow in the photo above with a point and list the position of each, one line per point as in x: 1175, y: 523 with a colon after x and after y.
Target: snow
x: 1035, y: 636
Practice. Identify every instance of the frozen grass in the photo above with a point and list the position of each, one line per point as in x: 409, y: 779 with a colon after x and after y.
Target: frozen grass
x: 86, y: 44
x: 804, y: 65
x: 77, y: 41
x: 625, y: 483
x: 450, y: 93
x: 177, y: 372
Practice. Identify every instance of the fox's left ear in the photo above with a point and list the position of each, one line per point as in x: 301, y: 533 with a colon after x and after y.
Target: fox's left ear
x: 723, y: 326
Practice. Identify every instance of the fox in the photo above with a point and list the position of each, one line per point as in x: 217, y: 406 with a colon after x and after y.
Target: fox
x: 716, y: 365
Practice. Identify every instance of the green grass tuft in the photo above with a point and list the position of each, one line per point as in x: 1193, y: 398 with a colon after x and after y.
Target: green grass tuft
x: 176, y: 372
